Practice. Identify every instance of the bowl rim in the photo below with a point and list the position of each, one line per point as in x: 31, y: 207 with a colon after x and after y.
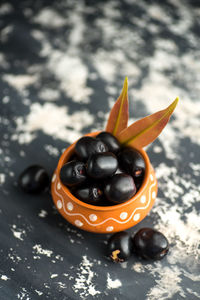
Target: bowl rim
x: 67, y: 153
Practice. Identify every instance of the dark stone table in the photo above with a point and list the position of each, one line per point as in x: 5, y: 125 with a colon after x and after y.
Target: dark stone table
x: 62, y: 66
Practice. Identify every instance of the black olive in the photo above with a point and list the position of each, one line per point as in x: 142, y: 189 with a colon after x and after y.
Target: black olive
x: 110, y: 141
x: 119, y: 247
x: 91, y: 194
x: 138, y: 182
x: 73, y: 173
x: 34, y: 179
x: 86, y: 146
x: 150, y: 244
x: 132, y: 162
x: 120, y: 188
x: 101, y: 165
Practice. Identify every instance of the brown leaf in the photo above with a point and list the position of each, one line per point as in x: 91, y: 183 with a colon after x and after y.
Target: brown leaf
x: 146, y: 130
x: 118, y: 118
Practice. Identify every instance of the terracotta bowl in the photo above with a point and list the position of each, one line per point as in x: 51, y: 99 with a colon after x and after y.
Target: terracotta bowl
x: 104, y: 219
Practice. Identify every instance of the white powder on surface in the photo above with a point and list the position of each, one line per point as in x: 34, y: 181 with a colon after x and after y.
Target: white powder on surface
x: 49, y: 18
x: 53, y: 151
x: 4, y: 277
x: 167, y: 284
x: 2, y: 178
x: 113, y: 284
x: 18, y: 233
x: 83, y: 281
x: 138, y: 267
x: 54, y: 275
x: 39, y: 293
x: 72, y: 74
x: 13, y: 256
x: 5, y: 33
x: 76, y: 35
x: 39, y: 250
x: 19, y: 82
x: 53, y: 121
x: 43, y: 213
x: 5, y: 8
x: 49, y: 94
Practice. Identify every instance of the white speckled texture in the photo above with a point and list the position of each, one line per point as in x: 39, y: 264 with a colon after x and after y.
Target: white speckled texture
x: 62, y: 67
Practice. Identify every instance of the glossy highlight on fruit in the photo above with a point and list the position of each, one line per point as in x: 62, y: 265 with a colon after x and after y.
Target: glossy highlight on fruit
x: 34, y: 179
x: 91, y: 194
x: 132, y: 162
x: 119, y: 247
x: 101, y: 165
x: 120, y: 188
x: 110, y: 141
x: 86, y: 146
x: 73, y: 173
x: 150, y: 244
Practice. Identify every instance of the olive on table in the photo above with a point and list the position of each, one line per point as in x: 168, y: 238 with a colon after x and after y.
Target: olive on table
x: 150, y: 244
x: 34, y: 179
x: 119, y: 247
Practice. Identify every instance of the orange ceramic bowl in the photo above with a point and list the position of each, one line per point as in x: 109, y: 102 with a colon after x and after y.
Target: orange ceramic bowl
x: 104, y: 219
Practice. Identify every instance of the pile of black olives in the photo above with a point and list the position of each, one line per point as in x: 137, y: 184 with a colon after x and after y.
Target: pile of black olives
x: 102, y: 173
x: 147, y: 243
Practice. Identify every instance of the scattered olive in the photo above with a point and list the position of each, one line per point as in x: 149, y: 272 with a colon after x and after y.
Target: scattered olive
x: 119, y: 247
x: 34, y: 179
x: 91, y: 194
x: 120, y: 188
x: 102, y: 165
x: 132, y: 162
x: 86, y: 146
x: 73, y: 173
x: 110, y: 141
x: 150, y: 244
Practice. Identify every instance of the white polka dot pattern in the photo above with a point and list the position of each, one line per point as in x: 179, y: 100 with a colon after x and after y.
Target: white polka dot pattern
x: 143, y: 199
x: 93, y: 217
x: 123, y: 215
x: 78, y: 223
x: 59, y: 204
x: 70, y: 206
x: 109, y: 228
x: 136, y: 217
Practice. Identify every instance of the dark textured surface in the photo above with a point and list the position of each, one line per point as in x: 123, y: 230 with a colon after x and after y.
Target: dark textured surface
x: 62, y: 66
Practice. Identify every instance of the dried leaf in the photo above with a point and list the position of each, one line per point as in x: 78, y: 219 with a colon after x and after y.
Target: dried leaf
x: 118, y: 118
x: 146, y: 130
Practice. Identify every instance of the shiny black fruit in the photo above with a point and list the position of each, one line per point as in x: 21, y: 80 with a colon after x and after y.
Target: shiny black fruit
x: 86, y: 146
x: 150, y: 244
x: 73, y: 173
x: 138, y: 182
x: 119, y: 246
x: 132, y: 162
x: 91, y: 194
x: 34, y: 179
x: 120, y: 188
x: 110, y: 141
x: 102, y: 165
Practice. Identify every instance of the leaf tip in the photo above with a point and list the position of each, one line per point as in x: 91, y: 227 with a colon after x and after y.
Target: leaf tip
x: 125, y: 87
x: 174, y: 104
